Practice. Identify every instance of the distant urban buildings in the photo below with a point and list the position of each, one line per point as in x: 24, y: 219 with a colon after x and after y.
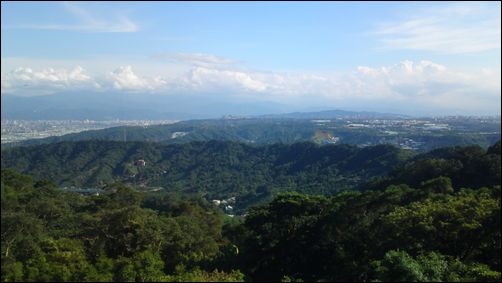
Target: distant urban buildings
x: 140, y: 163
x: 19, y: 130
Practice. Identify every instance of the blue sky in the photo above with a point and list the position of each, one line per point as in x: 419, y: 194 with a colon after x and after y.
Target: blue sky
x: 325, y: 53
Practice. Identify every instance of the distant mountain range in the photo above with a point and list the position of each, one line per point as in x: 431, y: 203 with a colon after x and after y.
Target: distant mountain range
x: 332, y: 114
x: 128, y: 106
x: 134, y: 106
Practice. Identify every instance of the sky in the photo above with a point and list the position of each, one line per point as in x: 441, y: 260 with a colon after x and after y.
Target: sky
x: 404, y: 57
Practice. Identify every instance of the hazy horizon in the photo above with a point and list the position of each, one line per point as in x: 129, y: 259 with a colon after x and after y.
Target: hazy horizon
x: 246, y: 58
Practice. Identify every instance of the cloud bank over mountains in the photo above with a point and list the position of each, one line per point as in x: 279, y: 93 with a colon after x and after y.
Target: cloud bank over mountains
x: 421, y: 84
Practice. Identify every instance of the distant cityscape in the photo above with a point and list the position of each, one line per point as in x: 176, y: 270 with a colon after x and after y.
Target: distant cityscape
x: 19, y: 130
x: 403, y: 132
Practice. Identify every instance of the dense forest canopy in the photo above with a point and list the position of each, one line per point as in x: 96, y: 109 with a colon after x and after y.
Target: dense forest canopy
x: 250, y: 173
x: 214, y: 169
x: 421, y: 222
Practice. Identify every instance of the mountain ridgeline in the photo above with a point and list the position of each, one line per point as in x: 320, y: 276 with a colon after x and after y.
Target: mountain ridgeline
x: 250, y: 173
x: 261, y: 131
x: 213, y: 169
x: 468, y: 167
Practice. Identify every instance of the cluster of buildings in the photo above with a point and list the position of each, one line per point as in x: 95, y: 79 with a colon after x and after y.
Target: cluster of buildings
x: 140, y: 163
x: 407, y: 143
x: 397, y: 123
x: 178, y: 134
x: 19, y: 130
x: 226, y: 205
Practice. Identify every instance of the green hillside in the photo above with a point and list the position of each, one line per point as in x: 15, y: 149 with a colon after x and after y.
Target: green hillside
x: 427, y: 226
x: 215, y: 170
x: 288, y: 131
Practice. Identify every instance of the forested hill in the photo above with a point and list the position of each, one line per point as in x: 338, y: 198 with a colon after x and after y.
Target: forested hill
x: 214, y: 169
x: 418, y: 137
x: 432, y: 232
x: 257, y: 131
x: 467, y: 167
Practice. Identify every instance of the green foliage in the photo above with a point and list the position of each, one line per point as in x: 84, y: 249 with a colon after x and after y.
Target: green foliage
x: 301, y: 128
x: 452, y: 225
x: 198, y: 275
x: 12, y: 271
x: 494, y: 149
x: 440, y: 185
x: 144, y: 266
x: 467, y: 167
x: 50, y: 235
x: 334, y: 239
x: 424, y: 225
x: 213, y: 169
x: 399, y: 266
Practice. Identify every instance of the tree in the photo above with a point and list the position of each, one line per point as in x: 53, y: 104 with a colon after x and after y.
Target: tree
x: 399, y: 266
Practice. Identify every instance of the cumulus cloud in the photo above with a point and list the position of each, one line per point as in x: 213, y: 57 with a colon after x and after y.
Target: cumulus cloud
x: 386, y: 79
x: 45, y: 81
x: 425, y: 77
x: 123, y: 78
x: 427, y: 84
x: 457, y: 28
x: 412, y: 84
x: 201, y: 78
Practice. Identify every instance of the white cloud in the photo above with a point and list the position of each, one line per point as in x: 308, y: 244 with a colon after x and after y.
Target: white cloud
x: 45, y: 81
x: 123, y: 78
x: 195, y: 59
x: 430, y: 85
x: 201, y: 78
x: 88, y: 22
x: 422, y: 84
x: 457, y: 28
